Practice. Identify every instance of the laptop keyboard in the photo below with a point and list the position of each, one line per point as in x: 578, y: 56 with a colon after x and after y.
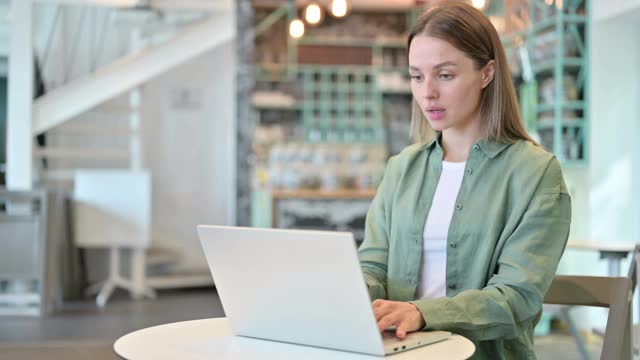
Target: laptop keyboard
x: 390, y: 335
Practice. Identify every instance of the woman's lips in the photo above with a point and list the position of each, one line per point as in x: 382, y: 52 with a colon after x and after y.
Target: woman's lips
x: 436, y: 114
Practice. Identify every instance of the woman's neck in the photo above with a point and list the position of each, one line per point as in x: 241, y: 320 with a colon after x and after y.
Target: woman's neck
x: 456, y: 144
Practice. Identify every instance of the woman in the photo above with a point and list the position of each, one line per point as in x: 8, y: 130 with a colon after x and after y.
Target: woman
x: 466, y: 230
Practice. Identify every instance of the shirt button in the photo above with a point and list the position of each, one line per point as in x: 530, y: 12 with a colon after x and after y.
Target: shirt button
x: 476, y: 147
x: 459, y: 207
x: 469, y: 171
x: 452, y: 286
x: 453, y: 245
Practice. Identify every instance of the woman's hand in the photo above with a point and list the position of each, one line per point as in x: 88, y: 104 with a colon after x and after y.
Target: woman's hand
x: 403, y: 315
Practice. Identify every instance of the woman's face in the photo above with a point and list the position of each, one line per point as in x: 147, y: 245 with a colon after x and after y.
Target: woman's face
x: 445, y: 83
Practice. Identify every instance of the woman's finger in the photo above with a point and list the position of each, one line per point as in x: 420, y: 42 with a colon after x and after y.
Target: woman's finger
x: 403, y: 327
x: 387, y: 321
x: 382, y: 308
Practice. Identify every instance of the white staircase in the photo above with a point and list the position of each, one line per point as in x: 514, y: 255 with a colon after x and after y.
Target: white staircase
x: 93, y: 122
x: 103, y: 138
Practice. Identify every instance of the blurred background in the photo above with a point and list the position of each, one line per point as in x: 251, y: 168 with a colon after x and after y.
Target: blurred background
x: 126, y: 123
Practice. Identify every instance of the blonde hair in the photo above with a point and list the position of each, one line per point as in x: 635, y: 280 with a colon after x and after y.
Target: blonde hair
x: 469, y: 31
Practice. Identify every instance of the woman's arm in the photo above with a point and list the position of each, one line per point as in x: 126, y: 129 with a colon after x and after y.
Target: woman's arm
x: 374, y: 250
x: 527, y: 263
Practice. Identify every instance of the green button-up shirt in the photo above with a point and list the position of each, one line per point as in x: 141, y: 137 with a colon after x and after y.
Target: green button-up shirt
x: 508, y: 231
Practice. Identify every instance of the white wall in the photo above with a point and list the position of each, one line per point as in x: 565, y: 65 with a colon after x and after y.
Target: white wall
x: 606, y: 194
x: 615, y: 93
x: 610, y: 9
x: 189, y: 136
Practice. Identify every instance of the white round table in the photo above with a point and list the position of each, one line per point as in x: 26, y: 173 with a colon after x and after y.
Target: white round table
x: 212, y: 339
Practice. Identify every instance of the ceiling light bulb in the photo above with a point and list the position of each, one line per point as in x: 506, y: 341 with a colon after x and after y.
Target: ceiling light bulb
x: 296, y: 28
x: 339, y: 8
x: 313, y: 14
x: 478, y: 4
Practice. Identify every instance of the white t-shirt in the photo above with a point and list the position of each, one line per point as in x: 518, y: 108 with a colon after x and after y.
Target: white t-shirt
x: 433, y: 266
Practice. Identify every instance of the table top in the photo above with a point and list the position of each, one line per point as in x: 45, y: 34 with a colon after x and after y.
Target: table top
x: 604, y: 246
x: 337, y: 194
x: 213, y: 339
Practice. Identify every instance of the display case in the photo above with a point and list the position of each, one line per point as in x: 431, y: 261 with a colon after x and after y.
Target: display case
x: 547, y: 47
x: 331, y: 108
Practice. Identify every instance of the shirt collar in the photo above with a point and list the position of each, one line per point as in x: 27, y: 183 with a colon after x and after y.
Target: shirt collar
x: 488, y: 147
x: 491, y: 148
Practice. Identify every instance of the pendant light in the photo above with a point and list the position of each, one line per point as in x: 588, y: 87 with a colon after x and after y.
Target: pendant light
x: 313, y: 14
x: 340, y: 8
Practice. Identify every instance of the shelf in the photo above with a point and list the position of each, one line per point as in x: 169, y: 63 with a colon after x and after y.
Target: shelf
x: 18, y: 218
x: 566, y: 123
x: 564, y: 119
x: 274, y: 100
x: 399, y: 69
x: 20, y: 298
x: 543, y: 25
x: 549, y: 65
x: 568, y: 105
x: 270, y: 66
x: 391, y: 91
x: 264, y: 106
x: 549, y: 22
x: 324, y: 194
x: 399, y: 42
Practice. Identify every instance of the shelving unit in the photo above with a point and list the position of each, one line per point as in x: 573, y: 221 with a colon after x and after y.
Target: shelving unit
x: 332, y: 86
x: 341, y: 105
x: 343, y: 89
x: 546, y: 43
x: 25, y: 288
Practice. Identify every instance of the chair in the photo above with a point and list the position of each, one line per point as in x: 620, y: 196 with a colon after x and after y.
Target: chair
x: 112, y: 210
x: 616, y: 293
x: 633, y: 275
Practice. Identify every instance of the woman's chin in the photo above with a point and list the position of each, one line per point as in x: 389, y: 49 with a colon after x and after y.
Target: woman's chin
x: 437, y: 125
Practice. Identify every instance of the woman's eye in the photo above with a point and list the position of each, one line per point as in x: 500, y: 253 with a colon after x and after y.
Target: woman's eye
x: 416, y: 77
x: 446, y: 76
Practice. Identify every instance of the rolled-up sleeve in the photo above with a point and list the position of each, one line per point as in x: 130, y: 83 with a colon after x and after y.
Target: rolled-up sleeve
x: 513, y: 296
x: 374, y: 250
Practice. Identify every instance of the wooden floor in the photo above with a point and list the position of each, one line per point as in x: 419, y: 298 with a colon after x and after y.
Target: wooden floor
x: 82, y: 331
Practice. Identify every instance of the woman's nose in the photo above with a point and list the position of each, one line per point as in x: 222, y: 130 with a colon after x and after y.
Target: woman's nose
x: 429, y: 90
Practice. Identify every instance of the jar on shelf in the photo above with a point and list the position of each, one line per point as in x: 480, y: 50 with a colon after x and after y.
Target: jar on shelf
x: 291, y: 178
x: 330, y: 179
x: 309, y: 177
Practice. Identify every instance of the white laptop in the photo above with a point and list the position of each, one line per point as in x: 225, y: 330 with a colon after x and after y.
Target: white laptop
x: 300, y: 287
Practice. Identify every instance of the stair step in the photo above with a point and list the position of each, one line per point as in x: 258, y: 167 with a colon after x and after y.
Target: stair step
x: 82, y: 129
x: 82, y: 153
x: 68, y: 174
x: 113, y: 108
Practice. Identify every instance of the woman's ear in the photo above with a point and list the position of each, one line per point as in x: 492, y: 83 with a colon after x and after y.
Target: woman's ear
x: 488, y: 72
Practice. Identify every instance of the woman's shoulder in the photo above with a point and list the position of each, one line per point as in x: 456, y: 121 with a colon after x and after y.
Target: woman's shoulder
x: 411, y: 151
x: 530, y: 153
x: 407, y: 155
x: 531, y: 161
x: 399, y: 164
